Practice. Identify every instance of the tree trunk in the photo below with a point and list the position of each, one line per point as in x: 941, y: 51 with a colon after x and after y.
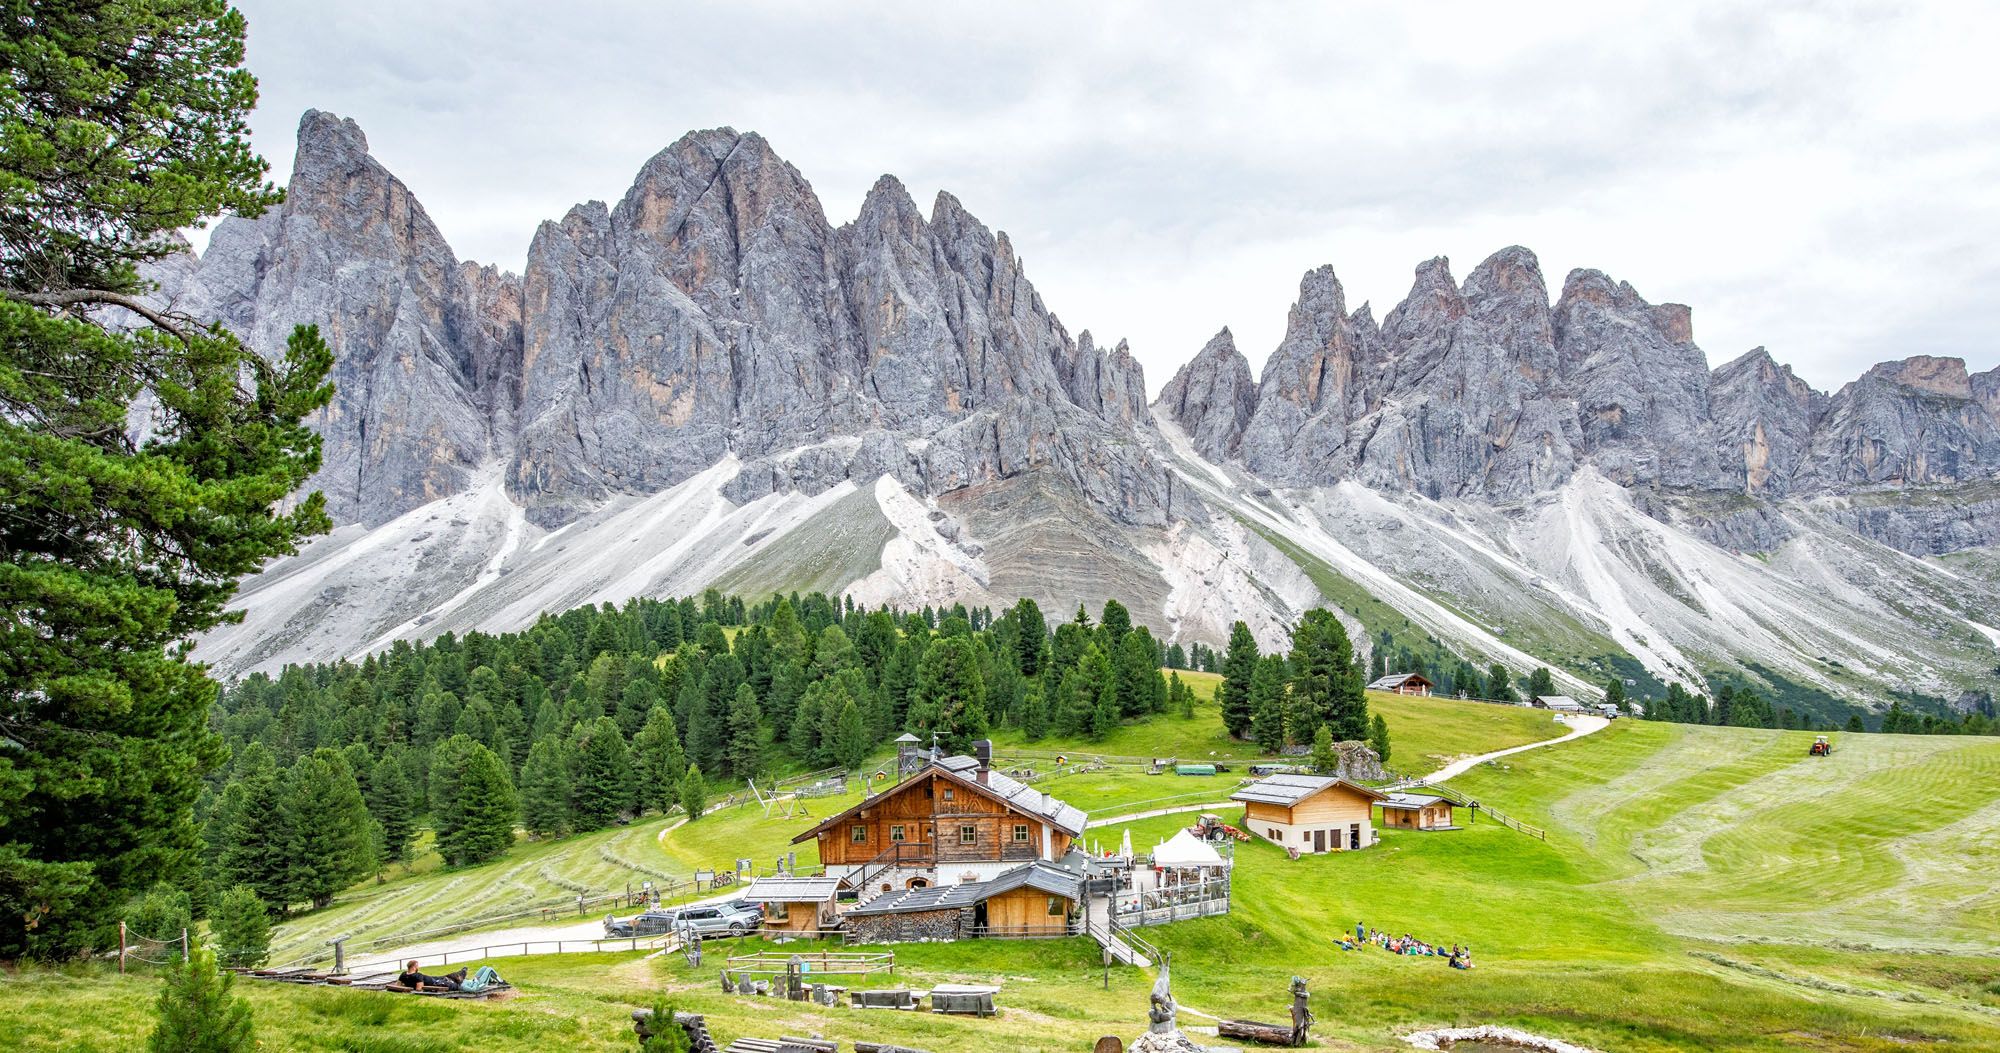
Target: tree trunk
x: 1272, y: 1034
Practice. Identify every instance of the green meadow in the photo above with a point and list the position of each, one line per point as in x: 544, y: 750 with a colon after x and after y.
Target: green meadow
x: 1700, y: 888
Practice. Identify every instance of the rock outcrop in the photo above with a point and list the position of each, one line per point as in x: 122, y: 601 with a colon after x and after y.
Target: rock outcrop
x: 1212, y: 398
x: 1764, y: 420
x: 426, y: 348
x: 1910, y: 422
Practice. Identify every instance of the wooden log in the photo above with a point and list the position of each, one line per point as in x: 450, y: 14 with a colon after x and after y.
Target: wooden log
x: 1269, y: 1034
x: 884, y: 1047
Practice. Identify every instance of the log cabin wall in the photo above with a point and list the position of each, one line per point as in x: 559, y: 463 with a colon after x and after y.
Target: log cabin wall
x: 1025, y: 912
x: 933, y: 814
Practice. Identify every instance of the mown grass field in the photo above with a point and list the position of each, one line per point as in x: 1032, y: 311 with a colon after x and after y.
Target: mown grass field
x: 1700, y: 889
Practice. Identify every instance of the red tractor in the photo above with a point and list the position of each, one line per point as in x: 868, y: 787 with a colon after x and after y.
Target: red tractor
x: 1821, y: 746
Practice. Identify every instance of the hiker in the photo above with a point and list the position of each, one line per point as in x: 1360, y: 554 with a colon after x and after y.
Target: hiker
x: 416, y: 980
x: 1358, y: 930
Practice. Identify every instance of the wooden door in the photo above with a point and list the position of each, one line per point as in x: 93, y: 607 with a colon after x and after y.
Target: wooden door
x: 1319, y: 840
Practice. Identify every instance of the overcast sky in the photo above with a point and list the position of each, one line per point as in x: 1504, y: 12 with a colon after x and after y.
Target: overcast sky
x: 1821, y: 179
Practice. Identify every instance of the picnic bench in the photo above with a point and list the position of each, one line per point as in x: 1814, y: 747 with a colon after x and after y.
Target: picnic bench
x: 892, y: 998
x: 963, y: 1003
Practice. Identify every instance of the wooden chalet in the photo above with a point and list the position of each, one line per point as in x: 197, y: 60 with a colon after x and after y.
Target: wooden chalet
x: 1310, y: 814
x: 1403, y: 684
x: 1417, y: 811
x: 795, y: 904
x: 954, y: 820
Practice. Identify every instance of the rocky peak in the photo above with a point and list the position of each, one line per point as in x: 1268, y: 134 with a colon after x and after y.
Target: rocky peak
x: 1314, y: 384
x: 1212, y: 398
x: 1986, y: 388
x: 1641, y: 384
x: 1917, y: 420
x: 1937, y: 376
x: 1507, y: 294
x: 1764, y: 419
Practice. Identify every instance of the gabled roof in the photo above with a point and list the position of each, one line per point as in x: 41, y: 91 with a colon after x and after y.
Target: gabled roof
x: 1288, y: 790
x: 792, y: 890
x: 963, y: 771
x: 1396, y: 680
x: 1557, y: 702
x: 1042, y: 877
x: 1412, y: 801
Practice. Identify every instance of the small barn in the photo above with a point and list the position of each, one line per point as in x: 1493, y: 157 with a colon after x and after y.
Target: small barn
x: 1417, y: 811
x: 1403, y: 684
x: 1310, y: 814
x: 1558, y: 703
x: 1039, y: 899
x: 795, y: 904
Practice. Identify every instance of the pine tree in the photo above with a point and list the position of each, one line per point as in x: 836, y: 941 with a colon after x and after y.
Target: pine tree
x: 254, y: 842
x: 850, y: 737
x: 665, y: 1035
x: 545, y: 790
x: 162, y: 914
x: 1034, y: 712
x: 1614, y: 694
x: 694, y: 793
x: 657, y: 761
x: 389, y: 802
x: 1325, y: 759
x: 1239, y: 667
x: 196, y: 1012
x: 1497, y: 687
x: 1267, y: 703
x: 472, y: 802
x: 746, y: 747
x: 950, y: 697
x: 1325, y: 676
x: 1177, y: 656
x: 602, y: 784
x: 1138, y: 673
x: 332, y: 843
x: 1854, y: 723
x: 1378, y: 737
x: 1541, y: 683
x: 241, y: 929
x: 120, y: 125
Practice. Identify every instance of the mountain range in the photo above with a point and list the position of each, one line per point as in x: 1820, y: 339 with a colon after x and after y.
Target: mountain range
x: 709, y: 384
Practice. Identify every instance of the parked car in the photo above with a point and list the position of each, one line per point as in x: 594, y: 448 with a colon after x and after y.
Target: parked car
x: 714, y: 919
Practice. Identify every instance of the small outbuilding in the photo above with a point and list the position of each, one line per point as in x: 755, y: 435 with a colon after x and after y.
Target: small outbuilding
x: 1310, y: 814
x: 1417, y: 811
x: 795, y: 904
x: 1558, y: 704
x: 1403, y: 684
x: 1039, y: 899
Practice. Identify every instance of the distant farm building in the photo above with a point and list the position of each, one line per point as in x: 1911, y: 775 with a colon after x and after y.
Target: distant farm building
x: 1403, y: 684
x: 1310, y: 814
x: 1417, y: 811
x: 1558, y: 703
x: 795, y: 904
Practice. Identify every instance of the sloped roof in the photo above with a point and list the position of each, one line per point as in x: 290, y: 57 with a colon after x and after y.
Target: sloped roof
x: 1412, y: 800
x: 1557, y: 702
x: 1396, y: 680
x: 1288, y: 790
x: 963, y: 771
x: 1040, y: 876
x: 792, y: 890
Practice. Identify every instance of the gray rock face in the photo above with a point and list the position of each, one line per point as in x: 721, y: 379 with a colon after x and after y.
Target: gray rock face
x: 1764, y: 420
x: 1212, y: 398
x: 1640, y: 384
x: 425, y: 348
x: 1914, y: 421
x: 1314, y: 385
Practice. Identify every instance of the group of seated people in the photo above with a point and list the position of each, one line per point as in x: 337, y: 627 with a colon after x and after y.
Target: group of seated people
x: 1458, y: 957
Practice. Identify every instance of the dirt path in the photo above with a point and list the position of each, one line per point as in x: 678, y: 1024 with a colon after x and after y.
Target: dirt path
x: 1579, y: 726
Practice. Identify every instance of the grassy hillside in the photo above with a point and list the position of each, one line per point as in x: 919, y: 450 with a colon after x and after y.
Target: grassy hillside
x: 1701, y: 888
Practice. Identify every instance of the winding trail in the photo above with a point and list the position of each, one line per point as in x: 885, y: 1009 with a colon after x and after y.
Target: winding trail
x: 1580, y: 725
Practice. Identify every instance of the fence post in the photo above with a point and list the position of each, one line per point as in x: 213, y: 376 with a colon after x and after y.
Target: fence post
x: 121, y: 948
x: 579, y: 904
x: 184, y: 945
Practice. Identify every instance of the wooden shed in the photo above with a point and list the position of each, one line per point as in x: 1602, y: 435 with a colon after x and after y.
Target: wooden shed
x: 795, y: 904
x: 1417, y: 811
x: 1310, y: 813
x: 1038, y: 899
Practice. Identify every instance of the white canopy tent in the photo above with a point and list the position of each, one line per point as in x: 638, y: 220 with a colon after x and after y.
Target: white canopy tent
x: 1186, y: 850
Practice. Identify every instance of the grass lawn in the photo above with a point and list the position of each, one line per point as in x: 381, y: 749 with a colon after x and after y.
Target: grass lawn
x: 1701, y: 888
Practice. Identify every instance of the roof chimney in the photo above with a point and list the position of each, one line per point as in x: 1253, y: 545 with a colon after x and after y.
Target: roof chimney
x: 982, y: 751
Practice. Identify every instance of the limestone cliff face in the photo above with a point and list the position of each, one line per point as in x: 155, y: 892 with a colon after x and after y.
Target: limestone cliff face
x: 1212, y: 398
x: 1764, y: 420
x: 714, y: 313
x: 426, y: 349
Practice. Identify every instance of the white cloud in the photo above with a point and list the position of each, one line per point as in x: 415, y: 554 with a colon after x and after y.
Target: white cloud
x: 1818, y: 179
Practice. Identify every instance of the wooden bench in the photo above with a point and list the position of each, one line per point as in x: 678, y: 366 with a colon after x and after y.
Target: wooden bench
x: 962, y: 1003
x: 896, y: 998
